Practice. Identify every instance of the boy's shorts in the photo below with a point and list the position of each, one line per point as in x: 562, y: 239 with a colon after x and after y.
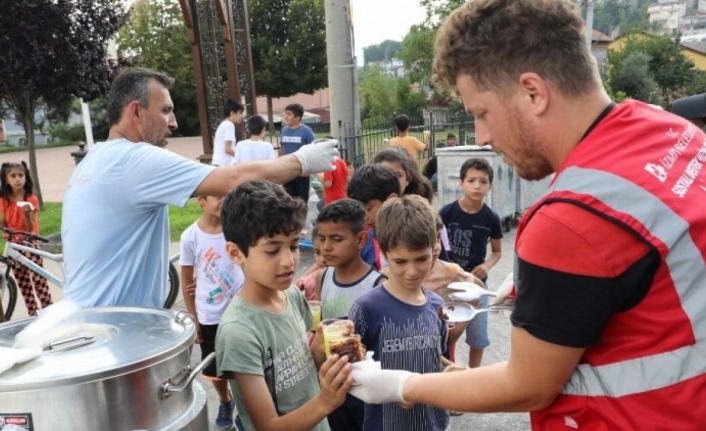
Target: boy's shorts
x: 208, y: 345
x: 477, y: 329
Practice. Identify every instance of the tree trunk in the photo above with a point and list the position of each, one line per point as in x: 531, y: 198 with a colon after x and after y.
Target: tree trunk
x: 270, y: 114
x: 271, y: 119
x: 28, y: 122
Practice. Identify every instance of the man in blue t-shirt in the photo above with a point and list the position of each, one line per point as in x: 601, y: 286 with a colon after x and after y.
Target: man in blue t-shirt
x: 294, y: 136
x: 115, y: 220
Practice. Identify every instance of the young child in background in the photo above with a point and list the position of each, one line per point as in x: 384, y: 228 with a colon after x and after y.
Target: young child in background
x: 261, y: 344
x: 204, y: 262
x: 18, y: 211
x: 225, y: 137
x: 371, y: 185
x: 307, y: 282
x: 471, y: 225
x: 410, y: 144
x: 342, y: 236
x: 295, y: 135
x: 254, y: 148
x: 399, y: 320
x: 411, y: 183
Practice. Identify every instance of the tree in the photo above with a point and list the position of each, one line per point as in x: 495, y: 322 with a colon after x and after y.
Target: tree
x: 670, y: 69
x: 418, y: 53
x: 156, y: 37
x: 53, y: 51
x: 438, y: 10
x: 383, y: 51
x: 376, y: 92
x: 288, y: 47
x: 382, y: 95
x: 633, y: 78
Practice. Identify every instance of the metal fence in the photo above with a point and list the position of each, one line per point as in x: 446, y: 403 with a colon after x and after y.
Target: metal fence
x: 361, y: 144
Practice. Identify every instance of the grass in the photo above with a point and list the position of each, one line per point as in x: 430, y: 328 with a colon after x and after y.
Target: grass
x: 179, y: 219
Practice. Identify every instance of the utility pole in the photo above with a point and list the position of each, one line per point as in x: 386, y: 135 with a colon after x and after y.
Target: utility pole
x: 343, y: 89
x: 589, y: 23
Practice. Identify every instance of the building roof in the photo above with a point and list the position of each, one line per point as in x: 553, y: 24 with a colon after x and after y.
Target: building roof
x: 324, y: 113
x: 698, y: 46
x: 597, y: 36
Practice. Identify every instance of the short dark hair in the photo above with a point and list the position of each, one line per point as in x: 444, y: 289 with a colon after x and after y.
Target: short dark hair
x: 408, y: 221
x: 296, y: 109
x: 130, y: 85
x: 256, y: 124
x: 232, y: 106
x: 373, y: 181
x: 450, y: 135
x: 349, y: 211
x: 478, y: 165
x: 257, y: 209
x: 402, y: 122
x: 418, y: 185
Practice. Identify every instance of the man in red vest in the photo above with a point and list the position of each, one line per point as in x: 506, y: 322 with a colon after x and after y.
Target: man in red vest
x: 609, y: 327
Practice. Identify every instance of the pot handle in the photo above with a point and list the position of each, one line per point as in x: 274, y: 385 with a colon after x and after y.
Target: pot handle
x: 167, y: 389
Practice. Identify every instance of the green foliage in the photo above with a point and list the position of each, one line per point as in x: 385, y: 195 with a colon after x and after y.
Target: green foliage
x: 381, y: 94
x: 418, y: 53
x: 67, y: 133
x: 179, y: 219
x: 156, y: 37
x: 698, y: 84
x: 438, y: 10
x: 288, y: 46
x: 54, y: 51
x: 670, y: 69
x: 625, y: 16
x: 376, y: 92
x: 407, y: 100
x: 632, y: 77
x: 99, y: 119
x: 383, y: 51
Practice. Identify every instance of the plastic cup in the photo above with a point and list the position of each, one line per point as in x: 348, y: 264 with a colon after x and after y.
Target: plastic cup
x: 427, y: 134
x: 315, y: 307
x: 333, y: 330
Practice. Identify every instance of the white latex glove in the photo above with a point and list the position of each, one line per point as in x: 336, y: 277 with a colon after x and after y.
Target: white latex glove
x: 505, y: 293
x: 317, y: 156
x: 379, y: 386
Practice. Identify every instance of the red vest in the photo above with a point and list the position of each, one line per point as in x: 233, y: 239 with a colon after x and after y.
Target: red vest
x: 642, y: 169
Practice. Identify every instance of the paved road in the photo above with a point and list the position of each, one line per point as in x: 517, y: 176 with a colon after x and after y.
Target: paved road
x: 56, y: 166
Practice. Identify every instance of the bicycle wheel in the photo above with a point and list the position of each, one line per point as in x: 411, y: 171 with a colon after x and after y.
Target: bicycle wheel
x: 8, y: 297
x: 172, y: 286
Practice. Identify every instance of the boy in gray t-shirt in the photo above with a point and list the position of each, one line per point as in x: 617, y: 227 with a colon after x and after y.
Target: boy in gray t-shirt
x: 261, y: 343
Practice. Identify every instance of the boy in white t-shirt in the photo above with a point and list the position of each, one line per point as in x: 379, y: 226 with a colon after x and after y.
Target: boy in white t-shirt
x: 209, y: 280
x: 225, y: 138
x: 255, y: 148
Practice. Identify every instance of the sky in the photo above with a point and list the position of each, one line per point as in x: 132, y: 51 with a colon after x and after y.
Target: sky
x: 377, y: 20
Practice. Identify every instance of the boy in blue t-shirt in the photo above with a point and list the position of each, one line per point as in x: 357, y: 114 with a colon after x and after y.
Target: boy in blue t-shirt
x: 373, y: 184
x: 471, y: 225
x: 294, y: 136
x: 398, y: 320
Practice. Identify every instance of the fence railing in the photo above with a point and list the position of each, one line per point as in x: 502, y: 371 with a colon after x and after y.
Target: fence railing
x: 361, y: 144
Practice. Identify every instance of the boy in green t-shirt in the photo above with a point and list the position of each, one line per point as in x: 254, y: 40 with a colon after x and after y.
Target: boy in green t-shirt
x: 261, y: 343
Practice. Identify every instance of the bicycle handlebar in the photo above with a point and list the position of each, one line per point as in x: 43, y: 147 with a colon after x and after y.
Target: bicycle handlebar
x: 28, y: 235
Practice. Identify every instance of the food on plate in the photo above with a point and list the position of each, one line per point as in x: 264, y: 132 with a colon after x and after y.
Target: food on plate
x: 442, y: 314
x: 349, y: 346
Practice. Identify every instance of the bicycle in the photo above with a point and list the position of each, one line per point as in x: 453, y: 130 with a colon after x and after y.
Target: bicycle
x: 8, y: 285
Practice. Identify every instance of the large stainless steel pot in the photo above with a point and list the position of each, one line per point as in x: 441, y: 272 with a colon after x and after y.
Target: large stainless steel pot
x: 124, y: 369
